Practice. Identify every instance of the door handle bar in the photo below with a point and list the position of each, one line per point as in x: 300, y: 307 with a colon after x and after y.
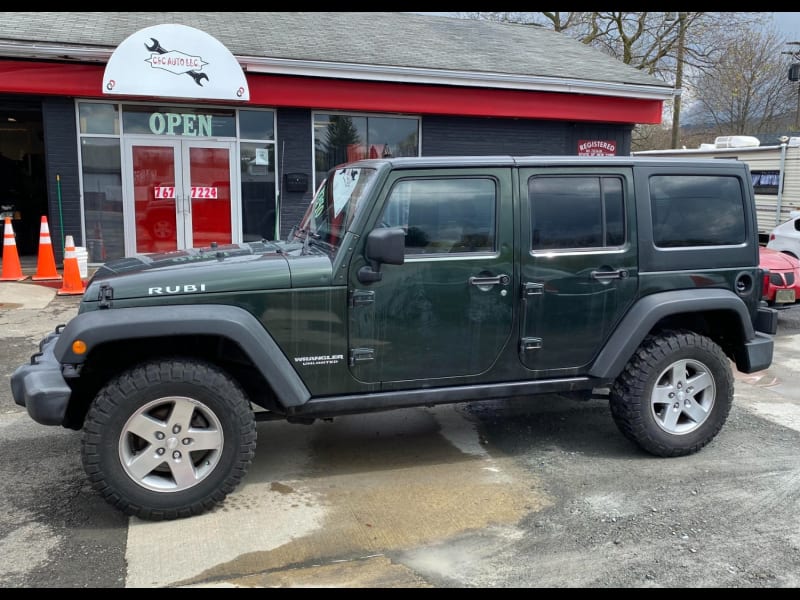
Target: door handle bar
x: 501, y: 279
x: 620, y: 274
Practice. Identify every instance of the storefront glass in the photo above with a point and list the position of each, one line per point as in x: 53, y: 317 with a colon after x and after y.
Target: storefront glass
x: 178, y: 120
x: 259, y: 219
x: 105, y: 128
x: 102, y: 198
x: 341, y: 138
x: 257, y: 163
x: 99, y: 118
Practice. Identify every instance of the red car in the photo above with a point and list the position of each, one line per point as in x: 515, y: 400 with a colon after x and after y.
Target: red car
x: 781, y: 278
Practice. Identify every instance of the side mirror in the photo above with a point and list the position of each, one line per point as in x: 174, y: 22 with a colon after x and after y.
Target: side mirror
x: 384, y: 246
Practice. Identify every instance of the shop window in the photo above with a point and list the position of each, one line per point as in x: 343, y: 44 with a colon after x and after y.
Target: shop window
x: 102, y: 198
x: 260, y: 215
x: 259, y: 218
x: 256, y: 125
x: 178, y: 121
x: 101, y: 126
x: 340, y: 138
x: 98, y: 118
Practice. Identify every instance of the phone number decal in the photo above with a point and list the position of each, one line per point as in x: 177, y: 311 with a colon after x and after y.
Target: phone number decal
x: 197, y: 192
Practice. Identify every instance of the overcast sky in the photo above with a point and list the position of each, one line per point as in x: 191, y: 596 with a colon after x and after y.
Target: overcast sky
x: 789, y: 24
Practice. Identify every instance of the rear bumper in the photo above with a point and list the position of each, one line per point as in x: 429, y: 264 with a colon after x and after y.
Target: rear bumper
x: 766, y: 320
x: 756, y: 354
x: 40, y: 387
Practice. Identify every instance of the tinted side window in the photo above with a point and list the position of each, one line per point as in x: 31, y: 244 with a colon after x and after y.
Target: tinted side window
x: 576, y: 212
x: 697, y: 210
x: 444, y: 215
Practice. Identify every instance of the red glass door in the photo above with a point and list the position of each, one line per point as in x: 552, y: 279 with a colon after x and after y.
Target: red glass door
x: 156, y: 194
x: 181, y: 194
x: 207, y: 168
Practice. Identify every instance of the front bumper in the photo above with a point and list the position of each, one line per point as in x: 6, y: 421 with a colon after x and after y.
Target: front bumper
x: 40, y: 387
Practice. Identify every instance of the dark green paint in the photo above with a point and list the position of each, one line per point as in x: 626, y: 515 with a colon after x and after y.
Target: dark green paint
x: 423, y: 323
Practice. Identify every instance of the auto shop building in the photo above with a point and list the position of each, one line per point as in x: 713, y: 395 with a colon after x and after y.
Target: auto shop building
x: 154, y: 131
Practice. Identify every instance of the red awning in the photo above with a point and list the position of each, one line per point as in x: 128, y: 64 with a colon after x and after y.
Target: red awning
x: 85, y: 81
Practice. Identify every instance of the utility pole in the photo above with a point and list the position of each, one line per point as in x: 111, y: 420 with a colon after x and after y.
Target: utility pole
x: 794, y: 75
x: 797, y: 111
x: 679, y: 58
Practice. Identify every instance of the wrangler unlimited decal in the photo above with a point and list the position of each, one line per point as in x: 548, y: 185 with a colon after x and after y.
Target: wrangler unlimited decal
x: 324, y: 359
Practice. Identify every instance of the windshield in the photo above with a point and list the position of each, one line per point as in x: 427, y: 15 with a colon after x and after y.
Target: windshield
x: 338, y: 200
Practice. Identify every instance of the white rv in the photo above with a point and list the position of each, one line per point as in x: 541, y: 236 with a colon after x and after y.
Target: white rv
x: 775, y: 171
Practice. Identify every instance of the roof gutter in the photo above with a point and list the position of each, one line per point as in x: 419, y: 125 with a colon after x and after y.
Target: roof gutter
x: 311, y: 68
x: 417, y: 75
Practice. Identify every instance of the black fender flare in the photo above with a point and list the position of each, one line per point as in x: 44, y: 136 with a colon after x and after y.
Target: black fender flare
x: 231, y: 322
x: 646, y: 312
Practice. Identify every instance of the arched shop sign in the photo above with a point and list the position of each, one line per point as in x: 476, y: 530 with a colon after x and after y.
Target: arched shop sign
x: 174, y: 61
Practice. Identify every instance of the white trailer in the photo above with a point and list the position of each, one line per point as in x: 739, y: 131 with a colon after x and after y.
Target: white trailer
x: 775, y: 171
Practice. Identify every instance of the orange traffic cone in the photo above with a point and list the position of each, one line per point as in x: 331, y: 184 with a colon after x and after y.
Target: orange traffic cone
x: 73, y: 284
x: 12, y: 269
x: 46, y: 265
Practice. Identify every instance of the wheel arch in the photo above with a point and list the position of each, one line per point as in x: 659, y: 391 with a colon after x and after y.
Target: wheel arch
x: 120, y: 337
x: 718, y: 314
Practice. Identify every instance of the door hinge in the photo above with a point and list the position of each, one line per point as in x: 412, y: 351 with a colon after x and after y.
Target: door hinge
x: 359, y: 355
x: 530, y: 343
x: 530, y: 288
x: 361, y: 297
x: 105, y: 296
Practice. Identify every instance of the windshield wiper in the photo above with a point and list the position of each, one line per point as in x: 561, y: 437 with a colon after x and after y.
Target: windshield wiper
x: 309, y: 238
x: 297, y: 234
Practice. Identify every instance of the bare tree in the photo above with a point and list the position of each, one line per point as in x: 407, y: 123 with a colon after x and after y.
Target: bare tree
x: 747, y: 91
x: 648, y: 41
x: 678, y: 47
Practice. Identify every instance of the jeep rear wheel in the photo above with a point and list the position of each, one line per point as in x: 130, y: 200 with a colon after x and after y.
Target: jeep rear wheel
x: 168, y: 439
x: 674, y: 395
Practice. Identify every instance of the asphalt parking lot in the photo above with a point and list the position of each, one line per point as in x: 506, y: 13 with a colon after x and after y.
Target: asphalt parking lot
x: 543, y: 493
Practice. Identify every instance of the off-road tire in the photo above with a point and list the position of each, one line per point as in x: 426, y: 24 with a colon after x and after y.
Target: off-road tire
x: 640, y: 399
x: 165, y: 393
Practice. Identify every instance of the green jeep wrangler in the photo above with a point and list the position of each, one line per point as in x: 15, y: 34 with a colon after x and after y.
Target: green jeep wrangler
x: 416, y: 282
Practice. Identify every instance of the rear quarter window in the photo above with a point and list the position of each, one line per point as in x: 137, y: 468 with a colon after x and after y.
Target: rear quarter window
x: 697, y: 210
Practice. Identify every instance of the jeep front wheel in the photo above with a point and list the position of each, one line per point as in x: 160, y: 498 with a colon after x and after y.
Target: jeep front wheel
x: 168, y: 439
x: 674, y: 395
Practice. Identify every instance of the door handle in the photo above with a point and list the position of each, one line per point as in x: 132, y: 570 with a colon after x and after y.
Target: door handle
x: 481, y: 281
x: 601, y: 275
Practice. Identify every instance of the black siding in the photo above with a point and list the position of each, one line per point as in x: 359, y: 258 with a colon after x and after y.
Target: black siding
x: 442, y: 136
x: 293, y: 151
x: 61, y: 159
